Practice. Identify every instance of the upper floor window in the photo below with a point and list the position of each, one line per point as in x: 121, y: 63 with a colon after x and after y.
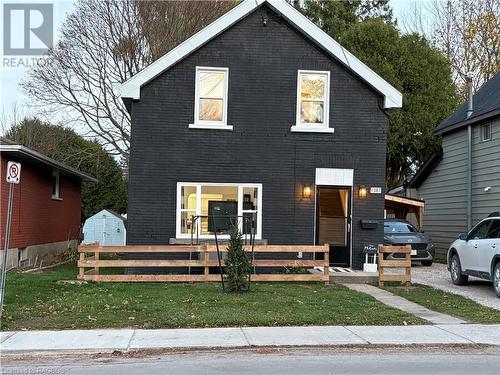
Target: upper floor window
x: 313, y: 93
x: 210, y: 108
x: 486, y: 132
x: 55, y: 185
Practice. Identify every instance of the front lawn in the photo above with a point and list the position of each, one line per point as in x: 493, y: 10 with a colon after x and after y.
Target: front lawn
x: 37, y: 301
x: 448, y: 303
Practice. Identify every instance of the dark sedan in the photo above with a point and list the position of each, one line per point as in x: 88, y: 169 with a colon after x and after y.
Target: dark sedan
x: 400, y: 232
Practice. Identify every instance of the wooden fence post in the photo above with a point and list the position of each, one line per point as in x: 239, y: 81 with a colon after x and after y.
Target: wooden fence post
x: 81, y: 272
x: 96, y: 256
x: 326, y: 267
x: 206, y: 258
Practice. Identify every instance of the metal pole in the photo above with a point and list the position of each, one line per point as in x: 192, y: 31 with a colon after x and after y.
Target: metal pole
x: 218, y: 254
x: 5, y: 247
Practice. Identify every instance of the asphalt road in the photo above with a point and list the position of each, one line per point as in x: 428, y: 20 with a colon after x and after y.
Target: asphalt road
x: 410, y: 360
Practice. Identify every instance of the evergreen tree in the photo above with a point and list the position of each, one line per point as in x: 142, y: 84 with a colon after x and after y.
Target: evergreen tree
x: 238, y: 265
x: 424, y: 77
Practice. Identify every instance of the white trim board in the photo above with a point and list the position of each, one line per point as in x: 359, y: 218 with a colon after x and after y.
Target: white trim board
x: 132, y: 87
x: 334, y: 176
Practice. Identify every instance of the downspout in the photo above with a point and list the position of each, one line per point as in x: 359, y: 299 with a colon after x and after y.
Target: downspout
x: 470, y: 110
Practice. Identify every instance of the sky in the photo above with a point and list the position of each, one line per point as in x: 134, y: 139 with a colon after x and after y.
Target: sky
x: 13, y: 68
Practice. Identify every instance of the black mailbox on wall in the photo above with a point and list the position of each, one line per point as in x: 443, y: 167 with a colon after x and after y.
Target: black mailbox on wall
x: 369, y: 224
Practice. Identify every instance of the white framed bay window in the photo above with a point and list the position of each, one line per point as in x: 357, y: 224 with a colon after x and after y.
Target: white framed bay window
x: 232, y: 202
x: 313, y: 102
x: 210, y: 107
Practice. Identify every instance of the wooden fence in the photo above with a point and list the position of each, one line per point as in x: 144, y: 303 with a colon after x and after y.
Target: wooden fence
x: 405, y: 263
x: 90, y: 258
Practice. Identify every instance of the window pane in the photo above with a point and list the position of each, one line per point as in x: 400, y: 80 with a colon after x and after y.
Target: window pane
x: 312, y: 86
x: 486, y: 132
x: 480, y: 232
x: 54, y: 185
x: 211, y: 84
x: 222, y: 202
x: 311, y: 113
x: 249, y: 198
x: 249, y: 222
x: 188, y: 197
x: 187, y: 221
x: 494, y: 230
x: 211, y: 109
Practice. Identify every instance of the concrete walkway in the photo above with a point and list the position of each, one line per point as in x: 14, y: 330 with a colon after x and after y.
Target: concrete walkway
x: 99, y: 341
x: 405, y: 305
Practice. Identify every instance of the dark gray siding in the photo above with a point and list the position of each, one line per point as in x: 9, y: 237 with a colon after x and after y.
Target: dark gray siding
x: 445, y: 193
x: 445, y: 190
x: 263, y: 64
x: 485, y: 172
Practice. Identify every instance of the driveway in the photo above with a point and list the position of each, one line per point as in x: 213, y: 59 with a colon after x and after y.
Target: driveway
x: 438, y: 277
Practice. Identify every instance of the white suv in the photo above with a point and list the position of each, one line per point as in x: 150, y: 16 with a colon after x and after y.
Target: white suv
x: 477, y: 253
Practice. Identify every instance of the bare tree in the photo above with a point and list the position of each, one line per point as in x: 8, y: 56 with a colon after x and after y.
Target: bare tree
x: 466, y: 31
x: 102, y: 44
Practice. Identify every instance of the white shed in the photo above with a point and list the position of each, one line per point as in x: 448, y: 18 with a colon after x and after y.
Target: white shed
x: 107, y: 227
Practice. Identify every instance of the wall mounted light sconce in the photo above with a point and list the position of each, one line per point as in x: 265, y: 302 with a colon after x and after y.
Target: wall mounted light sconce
x: 362, y: 192
x: 306, y: 191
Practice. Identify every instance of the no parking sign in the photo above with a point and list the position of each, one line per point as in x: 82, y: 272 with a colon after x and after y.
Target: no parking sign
x: 13, y: 172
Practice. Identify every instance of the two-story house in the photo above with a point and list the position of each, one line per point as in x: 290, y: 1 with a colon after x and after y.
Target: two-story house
x: 259, y: 115
x: 461, y: 184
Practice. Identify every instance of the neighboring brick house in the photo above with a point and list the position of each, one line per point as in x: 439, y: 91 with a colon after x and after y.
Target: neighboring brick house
x: 46, y: 206
x: 260, y: 114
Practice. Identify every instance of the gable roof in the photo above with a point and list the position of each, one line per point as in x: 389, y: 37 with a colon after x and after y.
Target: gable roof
x: 8, y: 147
x: 109, y: 211
x: 131, y: 89
x: 485, y: 102
x: 426, y: 169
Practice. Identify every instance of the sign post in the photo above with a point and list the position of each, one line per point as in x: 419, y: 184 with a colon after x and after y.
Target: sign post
x: 13, y: 178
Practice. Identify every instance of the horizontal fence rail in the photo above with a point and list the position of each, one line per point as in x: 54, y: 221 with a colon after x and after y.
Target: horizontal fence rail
x: 402, y: 263
x: 90, y: 258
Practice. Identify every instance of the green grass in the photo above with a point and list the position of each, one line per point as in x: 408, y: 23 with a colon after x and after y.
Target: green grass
x: 448, y: 303
x: 37, y: 301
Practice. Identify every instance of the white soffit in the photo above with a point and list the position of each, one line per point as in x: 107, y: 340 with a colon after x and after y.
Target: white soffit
x: 334, y: 176
x: 132, y: 87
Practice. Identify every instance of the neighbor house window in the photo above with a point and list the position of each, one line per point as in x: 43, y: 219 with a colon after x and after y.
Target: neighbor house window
x: 313, y: 93
x: 206, y: 208
x: 211, y: 98
x: 55, y: 185
x: 486, y: 132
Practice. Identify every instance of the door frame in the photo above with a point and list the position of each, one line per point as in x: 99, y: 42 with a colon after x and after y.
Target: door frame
x: 349, y: 215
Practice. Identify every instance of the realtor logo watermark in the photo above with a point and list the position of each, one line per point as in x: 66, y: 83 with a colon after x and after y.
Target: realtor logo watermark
x: 28, y: 30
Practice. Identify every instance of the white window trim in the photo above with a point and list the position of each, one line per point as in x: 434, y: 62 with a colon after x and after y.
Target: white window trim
x: 57, y: 195
x: 203, y: 124
x: 481, y: 132
x: 314, y: 128
x: 198, y: 185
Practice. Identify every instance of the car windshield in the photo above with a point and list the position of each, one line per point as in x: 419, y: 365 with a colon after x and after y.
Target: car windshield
x: 398, y: 227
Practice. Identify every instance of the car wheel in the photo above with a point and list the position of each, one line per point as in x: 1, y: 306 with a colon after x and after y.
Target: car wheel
x: 496, y: 279
x: 427, y: 263
x: 456, y: 271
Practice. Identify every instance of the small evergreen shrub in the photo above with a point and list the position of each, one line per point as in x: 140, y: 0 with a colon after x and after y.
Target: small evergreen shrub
x: 238, y: 264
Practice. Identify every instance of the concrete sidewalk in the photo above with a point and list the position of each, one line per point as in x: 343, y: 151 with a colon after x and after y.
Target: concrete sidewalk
x: 110, y: 340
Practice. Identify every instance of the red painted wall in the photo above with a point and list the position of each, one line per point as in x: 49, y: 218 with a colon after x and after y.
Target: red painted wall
x: 36, y: 217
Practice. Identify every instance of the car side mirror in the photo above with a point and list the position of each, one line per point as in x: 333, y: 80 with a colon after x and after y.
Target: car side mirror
x: 463, y: 237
